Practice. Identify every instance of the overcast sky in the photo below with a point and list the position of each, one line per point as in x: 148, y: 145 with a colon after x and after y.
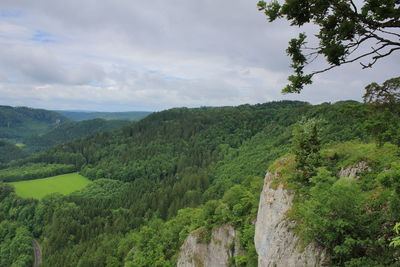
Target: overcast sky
x: 119, y: 55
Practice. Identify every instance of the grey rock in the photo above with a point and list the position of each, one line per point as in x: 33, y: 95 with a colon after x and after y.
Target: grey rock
x: 224, y: 245
x: 354, y: 170
x: 275, y: 242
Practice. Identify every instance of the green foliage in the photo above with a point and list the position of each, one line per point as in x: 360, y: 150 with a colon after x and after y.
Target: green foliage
x: 351, y: 217
x: 69, y: 131
x: 344, y: 28
x: 333, y: 216
x: 387, y: 94
x: 342, y: 121
x: 157, y: 242
x: 396, y: 240
x: 15, y: 245
x: 384, y: 127
x: 346, y: 154
x: 384, y: 101
x: 40, y: 129
x: 391, y: 178
x: 298, y: 80
x: 306, y: 147
x: 17, y: 123
x: 16, y: 221
x: 34, y: 171
x: 9, y: 151
x: 172, y: 173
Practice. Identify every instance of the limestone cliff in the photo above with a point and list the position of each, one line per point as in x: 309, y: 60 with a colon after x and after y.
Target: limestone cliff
x: 275, y: 243
x: 223, y: 245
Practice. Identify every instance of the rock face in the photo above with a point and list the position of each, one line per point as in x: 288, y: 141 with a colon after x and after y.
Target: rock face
x: 223, y: 245
x: 275, y: 243
x: 353, y: 171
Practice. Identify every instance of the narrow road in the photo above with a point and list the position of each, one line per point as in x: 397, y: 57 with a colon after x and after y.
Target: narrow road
x: 37, y: 252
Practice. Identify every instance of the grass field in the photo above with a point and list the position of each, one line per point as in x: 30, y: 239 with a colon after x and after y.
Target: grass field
x: 39, y: 188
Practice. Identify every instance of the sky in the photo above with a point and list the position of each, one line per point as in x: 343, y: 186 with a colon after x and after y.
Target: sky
x: 123, y: 55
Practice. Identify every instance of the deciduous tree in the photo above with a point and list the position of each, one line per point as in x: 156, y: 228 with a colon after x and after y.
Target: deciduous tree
x: 349, y: 31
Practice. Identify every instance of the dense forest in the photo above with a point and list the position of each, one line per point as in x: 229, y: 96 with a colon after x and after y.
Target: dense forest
x: 24, y: 131
x: 10, y: 151
x: 17, y: 123
x: 69, y: 131
x: 90, y: 115
x: 175, y: 171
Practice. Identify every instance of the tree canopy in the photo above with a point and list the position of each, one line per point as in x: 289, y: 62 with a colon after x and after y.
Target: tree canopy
x: 349, y: 31
x: 384, y: 121
x: 184, y: 170
x: 387, y: 94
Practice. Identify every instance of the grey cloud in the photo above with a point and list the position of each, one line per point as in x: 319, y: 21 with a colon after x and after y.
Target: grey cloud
x: 233, y: 29
x: 40, y: 65
x: 158, y: 54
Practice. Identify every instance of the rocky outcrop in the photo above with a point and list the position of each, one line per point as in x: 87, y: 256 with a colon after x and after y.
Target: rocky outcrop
x: 354, y: 170
x: 223, y: 245
x: 275, y: 242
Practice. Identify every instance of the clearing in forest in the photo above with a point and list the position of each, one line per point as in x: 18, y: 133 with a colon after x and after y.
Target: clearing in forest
x: 38, y: 188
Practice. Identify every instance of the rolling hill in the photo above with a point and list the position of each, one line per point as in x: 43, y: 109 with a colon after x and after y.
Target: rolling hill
x: 89, y: 115
x: 185, y: 172
x: 71, y: 130
x: 17, y: 123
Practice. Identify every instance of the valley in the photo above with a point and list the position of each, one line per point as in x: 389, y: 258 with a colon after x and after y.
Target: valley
x: 24, y: 131
x: 200, y: 133
x: 186, y: 173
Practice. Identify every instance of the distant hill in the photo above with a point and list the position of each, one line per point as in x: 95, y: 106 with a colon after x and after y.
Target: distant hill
x: 71, y: 130
x: 10, y: 151
x: 18, y: 123
x: 88, y: 115
x: 25, y: 130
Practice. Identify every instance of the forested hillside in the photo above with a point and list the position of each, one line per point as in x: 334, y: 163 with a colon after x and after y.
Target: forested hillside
x: 24, y: 131
x: 89, y: 115
x: 17, y: 123
x: 69, y: 131
x: 196, y: 168
x: 10, y: 151
x: 16, y: 220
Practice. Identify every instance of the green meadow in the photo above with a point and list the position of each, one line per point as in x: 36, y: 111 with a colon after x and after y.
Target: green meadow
x: 38, y: 188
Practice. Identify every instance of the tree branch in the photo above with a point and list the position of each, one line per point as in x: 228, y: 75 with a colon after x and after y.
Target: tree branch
x: 391, y: 33
x: 354, y: 7
x: 375, y: 58
x: 374, y: 51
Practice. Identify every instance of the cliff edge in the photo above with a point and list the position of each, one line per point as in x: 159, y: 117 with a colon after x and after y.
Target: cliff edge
x: 223, y: 246
x: 275, y: 242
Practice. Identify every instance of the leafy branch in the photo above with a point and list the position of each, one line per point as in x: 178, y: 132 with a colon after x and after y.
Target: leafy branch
x: 347, y: 33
